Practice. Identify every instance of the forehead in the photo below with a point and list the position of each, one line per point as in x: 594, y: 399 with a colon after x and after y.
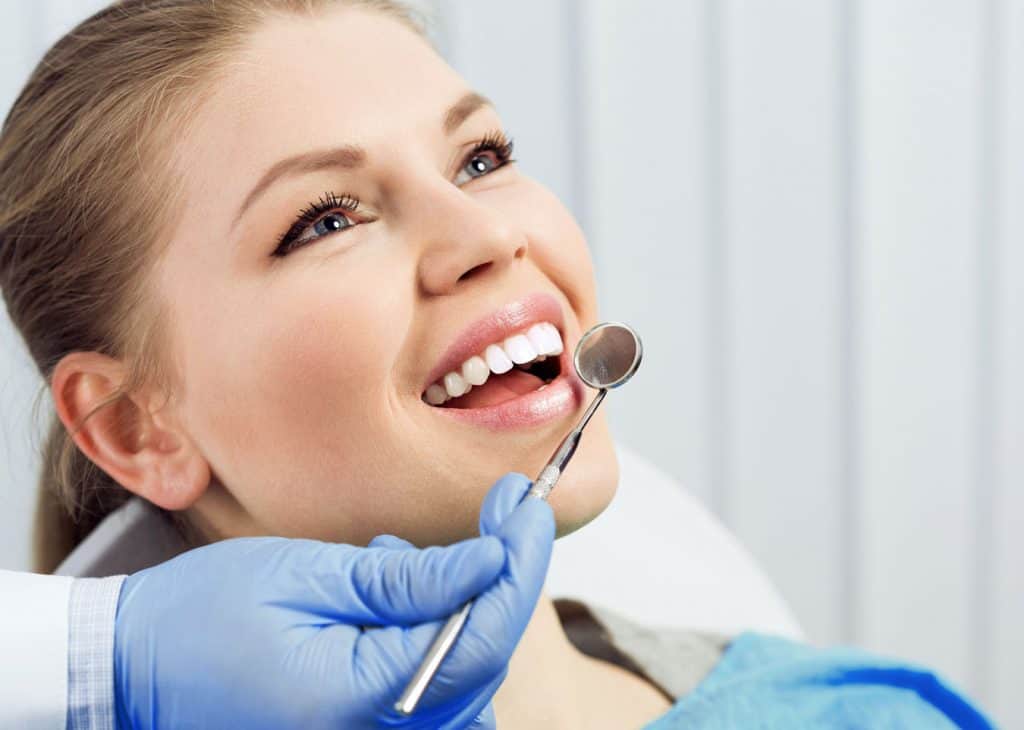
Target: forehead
x: 300, y: 82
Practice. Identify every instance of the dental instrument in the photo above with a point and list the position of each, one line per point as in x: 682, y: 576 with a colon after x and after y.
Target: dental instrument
x: 607, y: 355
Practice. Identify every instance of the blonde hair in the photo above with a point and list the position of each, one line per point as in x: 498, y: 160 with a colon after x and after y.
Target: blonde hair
x: 87, y: 199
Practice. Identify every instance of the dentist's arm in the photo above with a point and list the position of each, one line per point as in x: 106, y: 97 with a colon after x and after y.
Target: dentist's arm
x: 276, y: 633
x: 34, y: 650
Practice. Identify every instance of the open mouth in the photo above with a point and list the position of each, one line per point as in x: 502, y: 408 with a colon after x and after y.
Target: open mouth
x: 520, y: 364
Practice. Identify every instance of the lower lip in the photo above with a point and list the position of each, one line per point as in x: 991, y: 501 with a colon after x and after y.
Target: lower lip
x: 562, y: 396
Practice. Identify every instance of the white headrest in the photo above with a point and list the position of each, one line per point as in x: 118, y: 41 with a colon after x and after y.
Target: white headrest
x: 655, y: 554
x: 133, y: 537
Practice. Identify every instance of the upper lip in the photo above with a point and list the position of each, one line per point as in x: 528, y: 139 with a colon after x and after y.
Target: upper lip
x: 493, y: 328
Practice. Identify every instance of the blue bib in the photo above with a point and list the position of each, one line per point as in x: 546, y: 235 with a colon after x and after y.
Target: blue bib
x: 767, y: 682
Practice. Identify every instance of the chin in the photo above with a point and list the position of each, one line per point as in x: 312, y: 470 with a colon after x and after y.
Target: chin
x: 589, y: 483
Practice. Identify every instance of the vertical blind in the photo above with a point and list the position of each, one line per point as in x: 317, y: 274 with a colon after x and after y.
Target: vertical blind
x: 813, y: 213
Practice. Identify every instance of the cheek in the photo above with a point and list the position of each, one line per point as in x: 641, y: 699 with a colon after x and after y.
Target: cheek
x: 290, y: 399
x: 322, y: 343
x: 560, y: 250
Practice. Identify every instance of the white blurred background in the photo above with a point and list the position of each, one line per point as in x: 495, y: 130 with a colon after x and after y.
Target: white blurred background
x: 813, y: 213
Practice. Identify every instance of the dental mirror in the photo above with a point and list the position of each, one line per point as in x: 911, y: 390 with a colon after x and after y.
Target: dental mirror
x: 606, y: 356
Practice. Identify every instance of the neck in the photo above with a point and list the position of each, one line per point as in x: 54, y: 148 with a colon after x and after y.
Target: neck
x: 547, y: 677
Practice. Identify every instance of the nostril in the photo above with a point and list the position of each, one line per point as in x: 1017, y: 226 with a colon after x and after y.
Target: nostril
x: 475, y: 270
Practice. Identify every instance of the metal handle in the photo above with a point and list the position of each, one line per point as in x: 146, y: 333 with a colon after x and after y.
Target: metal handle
x: 438, y: 651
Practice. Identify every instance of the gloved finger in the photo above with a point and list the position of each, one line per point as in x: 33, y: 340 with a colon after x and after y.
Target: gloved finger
x: 495, y: 625
x: 383, y: 586
x: 391, y: 541
x: 454, y: 698
x: 500, y: 614
x: 472, y: 708
x: 485, y: 720
x: 503, y: 497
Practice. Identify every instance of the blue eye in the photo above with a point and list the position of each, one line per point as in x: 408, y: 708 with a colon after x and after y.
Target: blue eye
x: 330, y: 223
x: 328, y: 203
x: 496, y: 143
x: 325, y: 225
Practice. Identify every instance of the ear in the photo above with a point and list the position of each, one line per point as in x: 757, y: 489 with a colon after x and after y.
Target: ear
x: 140, y: 447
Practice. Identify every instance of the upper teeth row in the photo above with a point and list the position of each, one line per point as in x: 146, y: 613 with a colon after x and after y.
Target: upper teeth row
x: 536, y: 343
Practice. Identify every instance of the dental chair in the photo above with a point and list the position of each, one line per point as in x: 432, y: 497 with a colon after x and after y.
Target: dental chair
x: 655, y: 555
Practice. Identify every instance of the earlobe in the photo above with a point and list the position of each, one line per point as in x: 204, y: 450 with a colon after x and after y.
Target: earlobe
x: 145, y: 452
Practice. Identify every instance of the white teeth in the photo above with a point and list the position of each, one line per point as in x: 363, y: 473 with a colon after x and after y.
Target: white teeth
x: 540, y: 341
x: 455, y: 385
x: 539, y: 338
x: 554, y: 339
x: 436, y: 395
x: 519, y: 349
x: 497, y: 360
x: 475, y: 370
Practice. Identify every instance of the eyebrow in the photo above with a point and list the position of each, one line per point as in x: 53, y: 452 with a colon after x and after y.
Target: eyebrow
x: 351, y: 157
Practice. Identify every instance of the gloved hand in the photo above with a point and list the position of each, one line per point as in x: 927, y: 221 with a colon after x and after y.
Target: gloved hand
x: 279, y: 633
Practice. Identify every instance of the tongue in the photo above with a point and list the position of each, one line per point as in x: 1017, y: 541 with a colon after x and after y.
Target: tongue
x: 497, y: 389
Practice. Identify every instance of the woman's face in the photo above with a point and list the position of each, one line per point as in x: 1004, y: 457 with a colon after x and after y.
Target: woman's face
x: 303, y: 374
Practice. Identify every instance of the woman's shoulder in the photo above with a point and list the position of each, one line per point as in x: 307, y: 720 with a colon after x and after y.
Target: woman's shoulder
x: 674, y: 660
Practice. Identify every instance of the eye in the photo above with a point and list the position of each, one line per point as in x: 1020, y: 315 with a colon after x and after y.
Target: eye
x: 313, y: 218
x: 499, y: 151
x: 489, y: 154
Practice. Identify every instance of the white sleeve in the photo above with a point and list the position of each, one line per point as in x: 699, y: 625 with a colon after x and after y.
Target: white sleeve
x: 33, y: 650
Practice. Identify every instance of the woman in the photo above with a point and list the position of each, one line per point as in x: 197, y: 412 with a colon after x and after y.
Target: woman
x: 252, y: 370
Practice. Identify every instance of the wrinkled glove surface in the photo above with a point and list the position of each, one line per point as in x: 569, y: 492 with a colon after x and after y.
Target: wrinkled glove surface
x: 284, y: 633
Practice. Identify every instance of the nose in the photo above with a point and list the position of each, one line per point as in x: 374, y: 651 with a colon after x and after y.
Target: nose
x: 461, y: 237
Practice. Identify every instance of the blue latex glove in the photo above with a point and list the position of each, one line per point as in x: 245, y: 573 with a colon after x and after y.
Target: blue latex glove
x: 278, y: 633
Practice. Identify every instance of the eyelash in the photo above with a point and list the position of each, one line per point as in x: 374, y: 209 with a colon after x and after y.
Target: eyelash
x: 495, y: 141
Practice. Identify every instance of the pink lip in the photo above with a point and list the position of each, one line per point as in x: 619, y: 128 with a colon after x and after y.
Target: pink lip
x: 495, y: 327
